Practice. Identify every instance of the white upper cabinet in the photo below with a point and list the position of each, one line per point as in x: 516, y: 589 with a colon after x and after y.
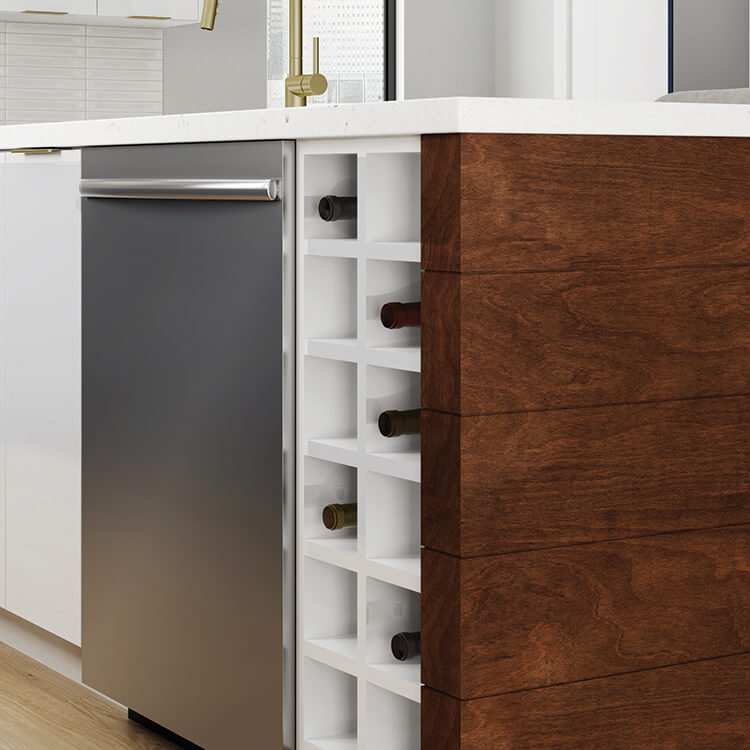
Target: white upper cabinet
x: 176, y: 10
x: 42, y: 8
x: 109, y: 12
x: 42, y: 365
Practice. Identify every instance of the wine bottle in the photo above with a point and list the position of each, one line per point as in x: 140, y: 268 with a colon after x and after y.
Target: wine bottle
x: 337, y: 516
x: 400, y: 315
x: 405, y: 646
x: 336, y: 208
x: 397, y: 423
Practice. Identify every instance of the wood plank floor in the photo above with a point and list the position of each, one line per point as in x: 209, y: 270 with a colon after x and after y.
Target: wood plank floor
x: 42, y: 710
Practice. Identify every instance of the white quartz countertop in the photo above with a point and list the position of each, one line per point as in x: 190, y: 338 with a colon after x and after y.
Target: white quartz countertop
x: 457, y: 115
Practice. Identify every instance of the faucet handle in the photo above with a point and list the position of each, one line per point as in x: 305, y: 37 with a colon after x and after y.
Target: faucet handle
x: 302, y: 86
x: 316, y: 55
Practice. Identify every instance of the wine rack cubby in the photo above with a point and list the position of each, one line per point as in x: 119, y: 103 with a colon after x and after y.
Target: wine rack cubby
x: 393, y: 190
x: 327, y: 482
x: 330, y: 404
x: 332, y: 319
x: 391, y: 282
x: 392, y: 721
x: 328, y: 174
x: 388, y: 388
x: 358, y: 586
x: 393, y: 522
x: 330, y: 600
x: 330, y: 708
x: 391, y: 609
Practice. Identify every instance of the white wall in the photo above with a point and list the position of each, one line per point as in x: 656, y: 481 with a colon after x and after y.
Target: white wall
x: 711, y: 44
x: 220, y: 70
x: 449, y: 48
x: 524, y: 48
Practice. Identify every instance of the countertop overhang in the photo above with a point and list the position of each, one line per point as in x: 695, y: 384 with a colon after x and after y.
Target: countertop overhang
x: 413, y: 117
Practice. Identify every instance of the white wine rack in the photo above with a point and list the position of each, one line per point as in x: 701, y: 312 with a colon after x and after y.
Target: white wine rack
x: 357, y: 587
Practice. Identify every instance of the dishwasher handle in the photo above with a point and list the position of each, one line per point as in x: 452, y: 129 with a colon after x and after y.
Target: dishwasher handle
x: 187, y: 190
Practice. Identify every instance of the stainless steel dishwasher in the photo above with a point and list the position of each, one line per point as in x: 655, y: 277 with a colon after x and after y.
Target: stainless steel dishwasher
x: 188, y: 438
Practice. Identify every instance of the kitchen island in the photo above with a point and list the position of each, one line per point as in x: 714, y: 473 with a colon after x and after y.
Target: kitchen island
x: 579, y: 500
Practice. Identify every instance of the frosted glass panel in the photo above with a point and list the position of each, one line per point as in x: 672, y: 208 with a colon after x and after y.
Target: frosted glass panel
x: 352, y: 51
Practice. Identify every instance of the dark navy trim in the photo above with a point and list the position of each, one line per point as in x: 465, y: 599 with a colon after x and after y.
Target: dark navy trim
x: 670, y: 45
x: 390, y: 50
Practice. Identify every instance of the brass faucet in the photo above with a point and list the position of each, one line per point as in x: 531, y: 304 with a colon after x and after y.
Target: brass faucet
x: 298, y: 86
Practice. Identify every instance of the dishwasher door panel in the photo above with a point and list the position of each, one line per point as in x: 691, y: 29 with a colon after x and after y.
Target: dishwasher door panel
x: 183, y: 482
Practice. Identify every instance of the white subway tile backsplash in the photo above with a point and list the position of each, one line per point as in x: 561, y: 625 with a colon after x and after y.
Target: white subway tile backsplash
x: 43, y: 61
x: 15, y: 82
x: 46, y: 107
x: 105, y: 64
x: 94, y: 83
x: 112, y: 53
x: 52, y: 72
x: 120, y: 32
x: 56, y: 29
x: 19, y: 117
x: 132, y: 108
x: 47, y: 95
x: 57, y: 40
x: 34, y: 50
x: 101, y: 42
x: 30, y: 71
x: 124, y: 96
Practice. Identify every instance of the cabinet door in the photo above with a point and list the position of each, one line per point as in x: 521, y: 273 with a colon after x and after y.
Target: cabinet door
x: 73, y: 7
x: 43, y: 391
x: 178, y: 10
x: 619, y: 50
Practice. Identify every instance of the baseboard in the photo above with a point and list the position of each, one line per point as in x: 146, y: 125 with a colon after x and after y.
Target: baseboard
x: 40, y: 645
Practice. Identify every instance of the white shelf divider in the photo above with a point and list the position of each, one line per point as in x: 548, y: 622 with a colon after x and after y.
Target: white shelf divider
x: 410, y: 252
x: 332, y: 743
x: 338, y: 334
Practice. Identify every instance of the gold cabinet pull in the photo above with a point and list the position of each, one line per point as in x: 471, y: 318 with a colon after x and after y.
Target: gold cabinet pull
x: 47, y: 12
x: 36, y: 151
x: 152, y: 18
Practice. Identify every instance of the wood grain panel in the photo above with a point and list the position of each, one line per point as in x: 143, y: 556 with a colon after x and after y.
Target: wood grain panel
x: 441, y: 196
x: 554, y: 616
x: 549, y: 341
x: 701, y: 706
x: 505, y: 202
x: 514, y: 482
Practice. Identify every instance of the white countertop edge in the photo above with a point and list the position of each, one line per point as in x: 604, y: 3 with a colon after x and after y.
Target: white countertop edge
x: 456, y: 115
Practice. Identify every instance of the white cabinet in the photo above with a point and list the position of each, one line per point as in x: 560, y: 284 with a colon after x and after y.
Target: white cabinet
x: 110, y: 12
x: 71, y: 7
x: 177, y: 10
x: 619, y: 50
x: 43, y: 390
x: 612, y: 50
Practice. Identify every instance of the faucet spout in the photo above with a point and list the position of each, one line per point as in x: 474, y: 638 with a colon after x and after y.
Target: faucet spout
x: 208, y: 18
x: 295, y: 37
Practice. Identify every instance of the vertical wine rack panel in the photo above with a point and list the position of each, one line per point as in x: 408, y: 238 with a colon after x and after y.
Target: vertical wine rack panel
x: 359, y: 586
